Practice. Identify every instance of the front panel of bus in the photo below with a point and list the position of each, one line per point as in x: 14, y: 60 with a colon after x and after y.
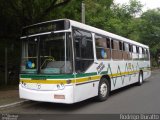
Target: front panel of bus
x: 47, y: 63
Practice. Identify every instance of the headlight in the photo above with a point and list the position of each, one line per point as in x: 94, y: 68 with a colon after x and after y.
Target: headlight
x: 60, y: 86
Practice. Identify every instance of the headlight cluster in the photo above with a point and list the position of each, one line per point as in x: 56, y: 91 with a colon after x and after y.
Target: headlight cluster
x: 23, y: 84
x: 60, y: 86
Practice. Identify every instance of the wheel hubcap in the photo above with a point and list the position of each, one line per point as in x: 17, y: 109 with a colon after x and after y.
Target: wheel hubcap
x: 103, y: 89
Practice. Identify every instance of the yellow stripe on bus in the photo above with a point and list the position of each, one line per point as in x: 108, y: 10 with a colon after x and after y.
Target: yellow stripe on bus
x: 86, y: 79
x: 121, y: 74
x: 54, y: 81
x: 46, y: 81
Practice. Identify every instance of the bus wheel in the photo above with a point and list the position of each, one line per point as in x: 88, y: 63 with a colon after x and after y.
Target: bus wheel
x: 140, y: 78
x: 103, y: 90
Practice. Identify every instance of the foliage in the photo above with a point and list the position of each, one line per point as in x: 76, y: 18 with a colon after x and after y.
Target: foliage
x: 98, y: 12
x: 14, y: 15
x: 123, y: 19
x: 150, y: 29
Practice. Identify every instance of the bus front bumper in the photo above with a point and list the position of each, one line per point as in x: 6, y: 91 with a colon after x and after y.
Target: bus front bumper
x: 59, y: 96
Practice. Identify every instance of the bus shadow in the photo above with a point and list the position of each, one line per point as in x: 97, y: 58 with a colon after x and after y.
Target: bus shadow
x: 68, y: 108
x: 126, y: 88
x: 64, y: 108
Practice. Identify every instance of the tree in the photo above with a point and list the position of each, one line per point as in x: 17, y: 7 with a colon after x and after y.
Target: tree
x: 123, y: 19
x: 98, y: 12
x: 72, y: 10
x: 14, y: 14
x: 31, y: 11
x: 150, y: 30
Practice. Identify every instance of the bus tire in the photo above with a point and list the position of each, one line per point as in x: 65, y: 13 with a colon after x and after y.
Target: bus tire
x: 103, y: 90
x: 140, y: 78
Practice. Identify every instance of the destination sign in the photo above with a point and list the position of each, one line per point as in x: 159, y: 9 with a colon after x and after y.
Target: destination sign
x: 46, y: 27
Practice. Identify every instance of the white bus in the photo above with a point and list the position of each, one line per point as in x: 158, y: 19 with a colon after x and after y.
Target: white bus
x: 64, y: 61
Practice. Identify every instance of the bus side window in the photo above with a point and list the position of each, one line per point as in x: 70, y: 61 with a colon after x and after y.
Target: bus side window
x: 137, y: 50
x: 130, y: 48
x: 120, y: 46
x: 135, y: 54
x: 143, y: 53
x: 147, y: 54
x: 117, y: 52
x: 83, y: 50
x: 130, y: 51
x: 140, y: 53
x: 123, y: 47
x: 108, y: 42
x: 120, y: 52
x: 102, y: 47
x: 126, y: 51
x: 112, y: 45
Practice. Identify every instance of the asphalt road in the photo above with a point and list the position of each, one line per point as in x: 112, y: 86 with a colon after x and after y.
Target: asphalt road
x: 131, y: 99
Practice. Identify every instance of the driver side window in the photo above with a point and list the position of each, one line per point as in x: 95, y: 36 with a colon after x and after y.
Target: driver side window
x: 83, y: 50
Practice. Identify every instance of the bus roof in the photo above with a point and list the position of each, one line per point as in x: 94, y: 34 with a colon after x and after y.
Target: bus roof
x: 102, y: 32
x: 94, y: 30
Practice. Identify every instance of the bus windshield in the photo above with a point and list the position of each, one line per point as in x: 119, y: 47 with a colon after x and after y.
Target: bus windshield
x: 47, y: 54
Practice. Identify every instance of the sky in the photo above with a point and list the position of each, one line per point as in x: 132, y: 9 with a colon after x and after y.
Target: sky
x: 148, y: 4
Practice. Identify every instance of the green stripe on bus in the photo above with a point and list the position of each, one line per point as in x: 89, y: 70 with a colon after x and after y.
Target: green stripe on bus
x: 64, y: 76
x: 85, y: 74
x: 104, y: 73
x: 47, y: 76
